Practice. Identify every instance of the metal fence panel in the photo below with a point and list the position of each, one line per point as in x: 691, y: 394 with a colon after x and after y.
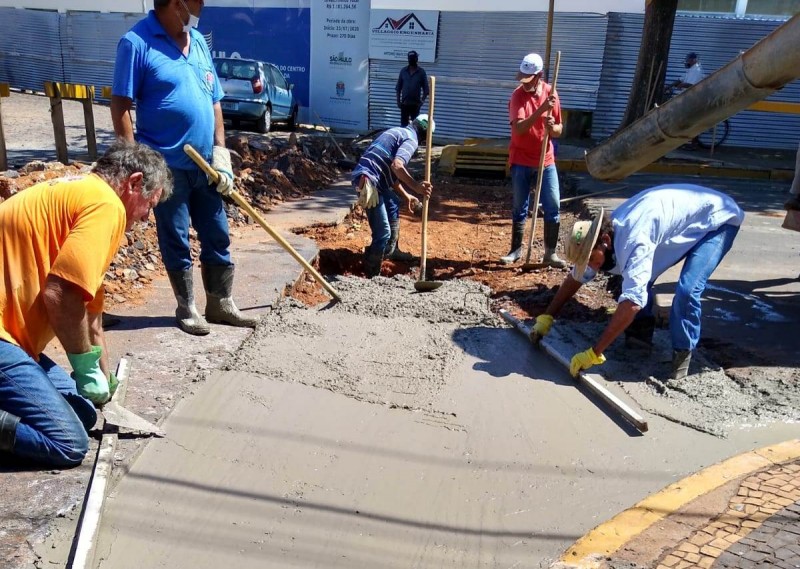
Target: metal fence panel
x: 89, y: 43
x: 477, y: 58
x: 30, y: 51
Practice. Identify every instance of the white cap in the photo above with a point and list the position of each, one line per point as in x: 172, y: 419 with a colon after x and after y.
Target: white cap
x: 530, y: 66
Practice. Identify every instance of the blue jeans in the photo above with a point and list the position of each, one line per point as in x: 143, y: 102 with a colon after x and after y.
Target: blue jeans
x: 54, y: 418
x: 701, y: 261
x: 194, y: 200
x: 379, y: 217
x: 521, y: 178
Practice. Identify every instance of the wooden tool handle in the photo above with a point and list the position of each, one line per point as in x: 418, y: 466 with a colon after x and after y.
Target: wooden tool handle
x: 213, y: 175
x: 428, y: 143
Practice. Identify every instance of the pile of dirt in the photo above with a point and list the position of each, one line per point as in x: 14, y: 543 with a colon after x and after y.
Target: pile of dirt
x: 271, y: 171
x: 268, y: 171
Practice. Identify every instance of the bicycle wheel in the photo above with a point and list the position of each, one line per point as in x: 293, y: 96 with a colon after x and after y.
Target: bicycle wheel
x: 705, y: 139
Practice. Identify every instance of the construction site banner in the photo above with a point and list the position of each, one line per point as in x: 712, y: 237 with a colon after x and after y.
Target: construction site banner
x: 340, y: 63
x: 393, y: 33
x: 273, y: 31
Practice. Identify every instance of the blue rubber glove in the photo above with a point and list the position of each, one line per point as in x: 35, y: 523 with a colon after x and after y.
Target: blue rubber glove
x: 542, y: 327
x: 91, y: 381
x: 585, y: 360
x: 221, y: 162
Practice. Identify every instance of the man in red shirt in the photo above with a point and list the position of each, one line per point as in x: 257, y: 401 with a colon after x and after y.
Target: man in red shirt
x: 530, y: 120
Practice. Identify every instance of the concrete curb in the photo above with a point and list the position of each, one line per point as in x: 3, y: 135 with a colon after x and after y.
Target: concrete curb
x: 607, y: 538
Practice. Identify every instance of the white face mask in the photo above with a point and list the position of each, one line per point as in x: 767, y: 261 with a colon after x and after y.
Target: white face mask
x: 193, y: 22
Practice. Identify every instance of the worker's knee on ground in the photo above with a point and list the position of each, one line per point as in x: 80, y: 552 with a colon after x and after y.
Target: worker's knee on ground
x: 71, y: 450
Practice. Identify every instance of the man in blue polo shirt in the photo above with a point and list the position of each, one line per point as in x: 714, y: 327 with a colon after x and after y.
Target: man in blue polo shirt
x: 164, y: 65
x: 380, y: 171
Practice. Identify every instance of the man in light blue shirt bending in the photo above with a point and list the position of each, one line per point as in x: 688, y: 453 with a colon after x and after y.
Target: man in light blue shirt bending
x: 645, y: 236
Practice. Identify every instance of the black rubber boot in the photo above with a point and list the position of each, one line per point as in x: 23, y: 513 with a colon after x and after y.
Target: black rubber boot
x: 640, y: 333
x: 372, y: 263
x: 680, y: 363
x: 220, y: 308
x: 517, y: 236
x: 8, y: 431
x: 189, y: 319
x: 550, y: 244
x: 392, y: 251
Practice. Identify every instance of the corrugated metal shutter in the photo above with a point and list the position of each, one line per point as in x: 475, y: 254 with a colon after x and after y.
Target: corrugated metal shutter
x: 477, y: 57
x: 89, y: 43
x: 30, y: 51
x: 717, y: 40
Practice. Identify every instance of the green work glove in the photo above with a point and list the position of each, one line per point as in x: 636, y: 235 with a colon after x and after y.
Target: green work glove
x: 113, y: 383
x: 585, y: 360
x: 91, y: 381
x: 543, y: 324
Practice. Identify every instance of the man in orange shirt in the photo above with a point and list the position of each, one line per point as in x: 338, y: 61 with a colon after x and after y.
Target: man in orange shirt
x: 57, y: 240
x: 534, y: 110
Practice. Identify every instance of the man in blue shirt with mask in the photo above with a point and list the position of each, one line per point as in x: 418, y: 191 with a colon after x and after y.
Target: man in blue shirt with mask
x: 164, y: 65
x: 646, y: 235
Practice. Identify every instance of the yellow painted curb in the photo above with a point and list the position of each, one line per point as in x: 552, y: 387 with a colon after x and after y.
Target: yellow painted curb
x: 610, y: 536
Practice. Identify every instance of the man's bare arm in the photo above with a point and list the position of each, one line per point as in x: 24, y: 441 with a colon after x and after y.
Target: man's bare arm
x: 219, y: 126
x: 121, y: 117
x: 66, y: 311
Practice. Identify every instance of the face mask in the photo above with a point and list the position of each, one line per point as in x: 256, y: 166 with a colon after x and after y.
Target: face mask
x: 193, y: 22
x: 586, y: 277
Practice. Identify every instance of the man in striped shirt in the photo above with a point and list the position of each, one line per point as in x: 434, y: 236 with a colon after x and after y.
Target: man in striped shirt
x: 382, y: 174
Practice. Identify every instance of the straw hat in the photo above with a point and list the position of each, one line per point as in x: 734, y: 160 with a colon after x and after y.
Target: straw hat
x: 582, y: 241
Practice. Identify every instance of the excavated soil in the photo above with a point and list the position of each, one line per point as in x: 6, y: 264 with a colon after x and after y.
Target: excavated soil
x: 469, y: 229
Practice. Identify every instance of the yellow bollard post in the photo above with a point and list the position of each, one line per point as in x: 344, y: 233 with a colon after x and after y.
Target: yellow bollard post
x: 59, y: 92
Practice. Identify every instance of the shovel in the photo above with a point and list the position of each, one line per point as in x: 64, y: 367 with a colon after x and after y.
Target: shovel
x: 344, y: 163
x: 423, y: 285
x: 242, y: 203
x: 527, y: 265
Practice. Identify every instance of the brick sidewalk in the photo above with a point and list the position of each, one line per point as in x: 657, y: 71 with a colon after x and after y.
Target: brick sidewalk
x: 761, y: 527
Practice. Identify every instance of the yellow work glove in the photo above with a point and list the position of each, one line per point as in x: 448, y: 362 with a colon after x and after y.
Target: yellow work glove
x: 221, y: 162
x: 368, y: 195
x: 585, y: 360
x: 543, y: 324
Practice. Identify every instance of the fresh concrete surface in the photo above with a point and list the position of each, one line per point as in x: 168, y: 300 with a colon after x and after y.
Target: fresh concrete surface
x: 507, y: 465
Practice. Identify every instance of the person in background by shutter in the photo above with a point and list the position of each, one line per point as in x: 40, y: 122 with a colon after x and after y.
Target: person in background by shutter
x: 412, y: 89
x: 58, y: 240
x: 646, y: 235
x: 380, y: 171
x: 534, y: 109
x: 163, y: 64
x: 693, y: 74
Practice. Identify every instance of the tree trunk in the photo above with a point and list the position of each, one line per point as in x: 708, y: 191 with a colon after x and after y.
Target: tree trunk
x: 651, y: 68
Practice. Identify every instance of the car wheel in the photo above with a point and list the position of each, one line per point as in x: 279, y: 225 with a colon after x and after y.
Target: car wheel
x: 265, y: 122
x: 293, y: 120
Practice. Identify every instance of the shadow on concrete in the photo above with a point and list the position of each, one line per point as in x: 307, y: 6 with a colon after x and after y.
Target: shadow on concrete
x: 503, y: 352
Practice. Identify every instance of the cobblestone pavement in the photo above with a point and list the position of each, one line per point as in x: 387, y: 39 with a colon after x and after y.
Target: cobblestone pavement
x: 761, y: 527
